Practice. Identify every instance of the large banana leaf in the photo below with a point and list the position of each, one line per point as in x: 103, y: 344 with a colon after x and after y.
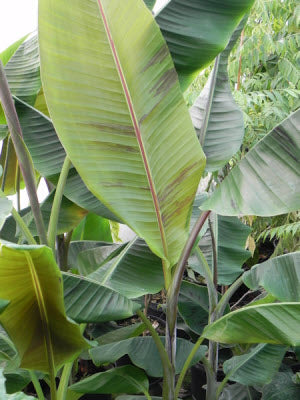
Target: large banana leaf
x: 144, y: 354
x: 267, y: 180
x: 150, y: 3
x: 239, y: 392
x: 93, y: 227
x: 277, y: 323
x: 15, y: 396
x: 196, y: 31
x: 3, y: 305
x: 87, y: 301
x: 216, y: 117
x: 279, y: 276
x: 265, y: 358
x: 35, y: 319
x: 117, y: 84
x: 230, y: 236
x: 127, y: 379
x: 134, y: 272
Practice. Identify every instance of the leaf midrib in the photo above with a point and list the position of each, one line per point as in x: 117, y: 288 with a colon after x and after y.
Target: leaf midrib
x: 136, y: 127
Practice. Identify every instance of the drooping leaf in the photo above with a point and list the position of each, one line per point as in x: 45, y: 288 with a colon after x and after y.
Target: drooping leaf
x: 85, y: 261
x: 93, y: 227
x: 279, y: 276
x: 265, y: 358
x: 266, y: 182
x: 48, y: 156
x: 87, y: 301
x: 31, y: 281
x: 196, y: 31
x: 15, y: 396
x: 144, y: 354
x: 281, y: 388
x: 134, y: 272
x: 230, y: 236
x: 127, y: 379
x: 131, y: 124
x: 216, y: 117
x: 239, y: 392
x: 277, y: 323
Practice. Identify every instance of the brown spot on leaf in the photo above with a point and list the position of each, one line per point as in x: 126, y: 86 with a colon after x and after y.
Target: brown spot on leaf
x: 164, y: 84
x: 113, y: 128
x: 158, y: 57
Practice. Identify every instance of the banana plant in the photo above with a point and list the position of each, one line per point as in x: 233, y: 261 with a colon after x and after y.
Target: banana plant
x: 114, y: 136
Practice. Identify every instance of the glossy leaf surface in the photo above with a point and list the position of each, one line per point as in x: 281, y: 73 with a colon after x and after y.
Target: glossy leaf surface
x: 126, y: 115
x: 216, y: 117
x: 277, y: 323
x: 128, y: 379
x: 31, y: 281
x: 266, y: 182
x: 279, y: 276
x: 87, y: 301
x: 265, y: 358
x: 144, y: 354
x: 196, y: 31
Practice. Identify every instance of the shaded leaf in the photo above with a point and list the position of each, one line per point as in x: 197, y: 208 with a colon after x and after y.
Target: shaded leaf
x: 144, y: 354
x: 134, y: 272
x: 281, y: 388
x: 87, y: 301
x: 126, y: 332
x: 7, y: 54
x: 126, y: 379
x: 15, y: 396
x: 279, y: 276
x: 239, y: 392
x: 265, y: 358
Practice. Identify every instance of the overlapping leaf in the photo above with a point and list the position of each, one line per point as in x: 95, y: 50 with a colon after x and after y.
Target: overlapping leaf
x: 266, y: 182
x: 31, y: 281
x: 87, y: 301
x: 15, y: 396
x: 144, y: 354
x: 126, y: 115
x: 196, y: 31
x: 216, y: 117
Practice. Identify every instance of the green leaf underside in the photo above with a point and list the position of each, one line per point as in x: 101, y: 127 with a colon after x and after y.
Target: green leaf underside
x: 281, y: 388
x: 7, y: 54
x: 48, y: 156
x: 3, y: 305
x: 35, y: 316
x: 134, y: 272
x: 87, y: 301
x: 216, y: 117
x: 150, y: 3
x: 193, y: 305
x: 127, y: 379
x: 266, y: 182
x: 136, y: 119
x: 231, y: 235
x: 267, y: 323
x: 265, y: 358
x: 144, y: 354
x: 14, y: 396
x: 279, y: 276
x: 196, y: 31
